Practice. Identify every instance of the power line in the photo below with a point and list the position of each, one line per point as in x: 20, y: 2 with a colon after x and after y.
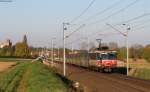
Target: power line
x: 83, y: 12
x: 146, y: 20
x: 122, y: 9
x: 75, y: 30
x: 141, y: 27
x: 103, y: 11
x: 141, y: 23
x: 67, y: 36
x: 135, y: 18
x: 117, y: 12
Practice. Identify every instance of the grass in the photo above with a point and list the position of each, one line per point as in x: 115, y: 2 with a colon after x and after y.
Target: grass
x: 41, y: 79
x: 142, y: 68
x: 32, y: 77
x: 143, y: 73
x: 10, y: 79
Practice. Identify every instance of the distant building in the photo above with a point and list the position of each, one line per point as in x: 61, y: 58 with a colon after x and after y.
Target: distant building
x: 7, y: 43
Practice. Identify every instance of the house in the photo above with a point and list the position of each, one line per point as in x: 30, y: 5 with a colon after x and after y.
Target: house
x: 7, y: 43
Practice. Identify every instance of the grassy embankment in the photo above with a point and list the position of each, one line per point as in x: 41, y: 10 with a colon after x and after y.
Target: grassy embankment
x: 142, y: 68
x: 31, y: 77
x: 143, y: 73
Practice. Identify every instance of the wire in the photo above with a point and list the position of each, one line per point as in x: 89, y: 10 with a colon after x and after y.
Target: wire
x: 117, y: 12
x: 141, y: 27
x: 146, y: 20
x: 102, y: 34
x: 129, y: 5
x: 75, y: 30
x: 103, y: 11
x: 67, y: 36
x: 135, y: 18
x: 82, y: 13
x: 141, y: 23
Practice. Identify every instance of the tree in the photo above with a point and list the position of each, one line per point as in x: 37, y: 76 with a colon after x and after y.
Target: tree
x: 92, y: 46
x: 25, y: 39
x: 6, y: 51
x: 121, y: 53
x: 146, y: 53
x: 22, y: 50
x: 84, y: 46
x: 136, y: 51
x: 113, y: 45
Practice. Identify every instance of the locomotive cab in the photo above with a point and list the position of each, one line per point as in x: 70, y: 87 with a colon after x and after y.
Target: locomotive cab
x: 107, y: 60
x: 104, y: 60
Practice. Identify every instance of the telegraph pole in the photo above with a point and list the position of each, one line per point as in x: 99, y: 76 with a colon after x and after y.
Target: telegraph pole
x: 72, y: 48
x: 127, y: 43
x: 88, y: 44
x: 64, y: 48
x: 52, y: 50
x: 58, y: 53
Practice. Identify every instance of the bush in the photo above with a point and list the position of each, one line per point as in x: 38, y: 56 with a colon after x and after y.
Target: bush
x: 146, y: 54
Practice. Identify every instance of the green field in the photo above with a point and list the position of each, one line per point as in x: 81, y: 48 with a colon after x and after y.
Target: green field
x: 142, y: 68
x: 31, y: 77
x: 143, y: 73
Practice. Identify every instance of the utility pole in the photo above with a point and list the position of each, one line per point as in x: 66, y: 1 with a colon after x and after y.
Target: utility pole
x: 72, y: 48
x: 88, y: 49
x: 127, y: 43
x: 64, y: 47
x: 52, y: 50
x: 126, y: 36
x: 58, y: 53
x: 88, y: 44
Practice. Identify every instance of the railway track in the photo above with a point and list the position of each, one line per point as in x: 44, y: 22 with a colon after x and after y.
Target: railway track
x: 105, y: 82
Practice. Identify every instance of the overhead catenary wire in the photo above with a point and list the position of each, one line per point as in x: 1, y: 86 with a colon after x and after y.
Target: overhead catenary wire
x: 135, y: 18
x: 140, y: 27
x: 83, y: 12
x: 122, y: 9
x: 103, y: 11
x: 141, y: 23
x: 115, y: 13
x: 129, y: 5
x: 75, y: 30
x: 67, y: 36
x: 96, y: 13
x: 119, y: 11
x: 102, y: 34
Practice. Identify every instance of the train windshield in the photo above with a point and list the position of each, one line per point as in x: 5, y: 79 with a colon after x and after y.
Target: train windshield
x: 107, y: 56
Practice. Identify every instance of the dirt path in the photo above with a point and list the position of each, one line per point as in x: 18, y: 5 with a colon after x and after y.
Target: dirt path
x: 5, y: 65
x: 103, y: 82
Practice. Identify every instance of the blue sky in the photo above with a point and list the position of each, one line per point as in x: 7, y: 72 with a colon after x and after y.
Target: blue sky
x: 42, y: 19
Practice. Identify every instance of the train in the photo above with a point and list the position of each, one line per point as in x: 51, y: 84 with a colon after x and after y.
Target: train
x: 101, y: 60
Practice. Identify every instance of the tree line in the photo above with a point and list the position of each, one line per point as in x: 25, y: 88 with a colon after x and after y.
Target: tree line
x: 20, y: 49
x: 135, y: 52
x: 23, y: 50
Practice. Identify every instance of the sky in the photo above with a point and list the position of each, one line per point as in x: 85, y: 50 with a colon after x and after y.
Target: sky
x: 41, y: 20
